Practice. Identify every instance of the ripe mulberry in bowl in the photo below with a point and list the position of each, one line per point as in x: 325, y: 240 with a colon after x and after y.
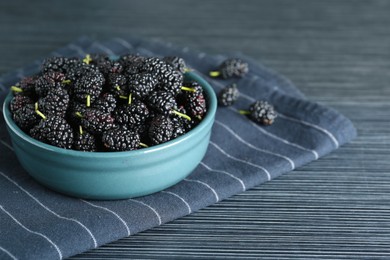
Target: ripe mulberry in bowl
x: 110, y: 129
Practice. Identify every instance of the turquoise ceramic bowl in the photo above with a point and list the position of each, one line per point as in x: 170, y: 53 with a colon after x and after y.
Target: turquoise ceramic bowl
x: 114, y: 175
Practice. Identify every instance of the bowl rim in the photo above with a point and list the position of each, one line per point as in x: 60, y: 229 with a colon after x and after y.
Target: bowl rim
x: 209, y: 118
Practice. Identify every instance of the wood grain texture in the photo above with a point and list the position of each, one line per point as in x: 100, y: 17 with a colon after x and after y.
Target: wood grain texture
x: 336, y: 52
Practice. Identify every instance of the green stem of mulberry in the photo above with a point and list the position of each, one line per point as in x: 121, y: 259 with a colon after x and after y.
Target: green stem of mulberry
x: 129, y: 99
x: 87, y: 59
x: 88, y: 100
x: 214, y: 74
x: 81, y: 129
x: 117, y: 87
x: 244, y: 112
x: 16, y: 89
x: 181, y: 115
x: 78, y: 114
x: 143, y: 145
x: 187, y: 70
x: 66, y: 81
x: 39, y: 112
x: 188, y: 89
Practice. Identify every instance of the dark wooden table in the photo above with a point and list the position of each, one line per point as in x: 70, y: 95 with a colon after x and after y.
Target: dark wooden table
x: 336, y: 52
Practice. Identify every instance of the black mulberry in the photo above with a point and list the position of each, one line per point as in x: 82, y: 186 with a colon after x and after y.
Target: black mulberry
x: 59, y: 64
x: 55, y: 131
x: 75, y: 111
x: 176, y: 62
x: 131, y: 115
x: 25, y: 87
x: 194, y: 100
x: 187, y: 124
x: 48, y: 81
x: 117, y: 84
x: 105, y: 65
x: 140, y: 85
x: 170, y: 81
x: 229, y: 68
x: 178, y: 125
x: 54, y: 103
x: 121, y: 139
x: 160, y: 129
x: 19, y: 101
x: 26, y: 117
x: 156, y: 66
x: 89, y: 86
x: 162, y: 102
x: 84, y: 141
x: 106, y: 102
x: 77, y: 70
x: 132, y: 63
x: 262, y: 112
x: 96, y: 121
x: 228, y: 95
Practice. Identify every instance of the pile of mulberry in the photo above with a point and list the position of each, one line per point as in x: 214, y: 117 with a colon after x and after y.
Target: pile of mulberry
x: 96, y: 104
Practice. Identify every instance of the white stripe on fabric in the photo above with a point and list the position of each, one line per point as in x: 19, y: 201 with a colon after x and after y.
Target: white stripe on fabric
x: 208, y: 186
x: 7, y: 145
x: 183, y: 200
x: 124, y: 43
x: 240, y: 160
x: 224, y: 172
x: 285, y: 141
x: 290, y: 161
x: 8, y: 253
x: 300, y: 121
x: 112, y: 212
x: 331, y: 136
x: 79, y: 50
x: 316, y: 156
x: 150, y: 207
x: 103, y: 48
x: 33, y: 232
x: 51, y: 211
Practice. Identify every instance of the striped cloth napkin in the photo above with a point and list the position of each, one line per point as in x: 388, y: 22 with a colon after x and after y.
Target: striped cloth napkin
x: 36, y: 223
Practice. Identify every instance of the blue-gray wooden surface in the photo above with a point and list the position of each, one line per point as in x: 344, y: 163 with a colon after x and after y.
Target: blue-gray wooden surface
x: 336, y: 52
